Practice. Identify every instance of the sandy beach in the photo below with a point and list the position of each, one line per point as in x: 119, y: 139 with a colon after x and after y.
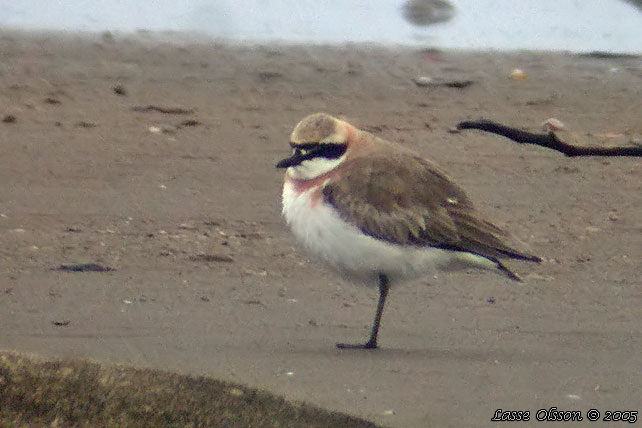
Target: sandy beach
x: 155, y: 158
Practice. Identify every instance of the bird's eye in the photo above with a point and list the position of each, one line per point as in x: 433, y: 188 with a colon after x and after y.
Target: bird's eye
x: 300, y: 152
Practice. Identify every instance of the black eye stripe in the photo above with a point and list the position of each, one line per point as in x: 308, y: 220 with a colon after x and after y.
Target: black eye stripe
x: 326, y: 150
x: 331, y: 151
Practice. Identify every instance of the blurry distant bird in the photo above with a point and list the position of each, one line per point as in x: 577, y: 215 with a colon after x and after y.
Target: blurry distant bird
x: 427, y: 12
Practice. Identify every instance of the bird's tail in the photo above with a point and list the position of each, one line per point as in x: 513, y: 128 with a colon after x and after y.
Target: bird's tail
x: 506, y: 271
x: 519, y: 256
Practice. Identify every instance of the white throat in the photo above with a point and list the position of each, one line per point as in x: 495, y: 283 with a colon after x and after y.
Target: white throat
x: 313, y: 168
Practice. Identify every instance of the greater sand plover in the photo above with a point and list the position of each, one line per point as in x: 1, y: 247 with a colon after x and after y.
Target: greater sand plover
x: 378, y: 212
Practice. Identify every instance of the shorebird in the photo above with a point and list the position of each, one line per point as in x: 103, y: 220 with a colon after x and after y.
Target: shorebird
x: 379, y: 212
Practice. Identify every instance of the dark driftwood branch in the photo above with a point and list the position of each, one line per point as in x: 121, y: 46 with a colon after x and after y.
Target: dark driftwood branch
x: 549, y: 140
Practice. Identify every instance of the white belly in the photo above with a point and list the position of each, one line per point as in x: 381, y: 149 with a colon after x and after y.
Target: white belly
x: 355, y: 254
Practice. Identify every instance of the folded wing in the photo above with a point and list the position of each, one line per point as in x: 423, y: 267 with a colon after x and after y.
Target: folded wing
x: 409, y: 201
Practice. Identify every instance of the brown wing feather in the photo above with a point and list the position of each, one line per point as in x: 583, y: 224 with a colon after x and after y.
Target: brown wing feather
x: 406, y: 200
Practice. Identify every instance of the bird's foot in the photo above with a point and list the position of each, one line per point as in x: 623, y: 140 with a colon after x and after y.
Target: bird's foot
x: 368, y: 345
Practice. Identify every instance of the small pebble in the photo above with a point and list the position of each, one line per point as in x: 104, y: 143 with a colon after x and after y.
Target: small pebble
x: 518, y: 74
x: 86, y: 124
x: 190, y: 122
x: 120, y: 90
x: 552, y: 124
x: 107, y: 36
x: 235, y: 392
x: 423, y: 81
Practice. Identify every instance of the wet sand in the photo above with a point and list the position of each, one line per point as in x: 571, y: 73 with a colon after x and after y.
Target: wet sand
x: 184, y: 207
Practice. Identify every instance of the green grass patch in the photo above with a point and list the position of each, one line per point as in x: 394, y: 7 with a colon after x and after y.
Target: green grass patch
x: 86, y: 394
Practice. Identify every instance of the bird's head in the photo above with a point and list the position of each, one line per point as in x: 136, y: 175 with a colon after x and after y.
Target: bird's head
x: 319, y: 144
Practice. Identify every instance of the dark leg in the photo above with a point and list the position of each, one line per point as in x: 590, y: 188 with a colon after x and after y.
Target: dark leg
x: 372, y: 342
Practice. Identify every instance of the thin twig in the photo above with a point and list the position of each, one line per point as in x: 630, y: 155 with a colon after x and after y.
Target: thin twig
x: 549, y: 140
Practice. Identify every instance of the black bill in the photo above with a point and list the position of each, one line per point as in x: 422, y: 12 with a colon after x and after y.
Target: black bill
x: 294, y: 160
